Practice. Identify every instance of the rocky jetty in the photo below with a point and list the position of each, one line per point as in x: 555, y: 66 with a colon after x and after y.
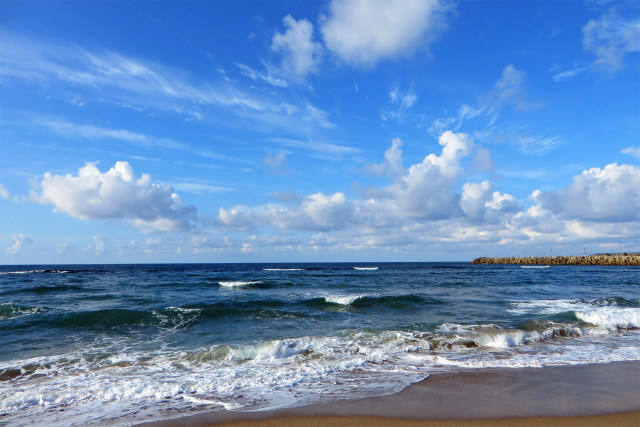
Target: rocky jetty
x: 599, y: 259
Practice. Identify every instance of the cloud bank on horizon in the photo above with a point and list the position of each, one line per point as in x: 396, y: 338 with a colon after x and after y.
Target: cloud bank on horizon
x: 340, y: 130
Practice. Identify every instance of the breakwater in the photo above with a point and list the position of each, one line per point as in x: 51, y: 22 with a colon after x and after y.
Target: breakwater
x: 600, y: 259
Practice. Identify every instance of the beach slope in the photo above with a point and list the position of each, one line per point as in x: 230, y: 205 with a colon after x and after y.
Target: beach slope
x: 595, y: 394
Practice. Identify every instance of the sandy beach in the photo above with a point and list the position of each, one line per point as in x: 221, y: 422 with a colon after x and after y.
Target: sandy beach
x: 583, y: 395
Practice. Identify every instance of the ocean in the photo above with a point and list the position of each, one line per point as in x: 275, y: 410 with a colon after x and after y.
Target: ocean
x: 122, y: 344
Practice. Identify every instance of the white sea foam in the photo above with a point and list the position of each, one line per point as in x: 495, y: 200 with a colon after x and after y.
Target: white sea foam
x: 283, y: 269
x: 234, y: 284
x: 545, y: 307
x: 612, y: 317
x: 342, y: 299
x: 365, y: 268
x: 277, y: 373
x: 534, y: 266
x: 260, y: 376
x: 602, y: 313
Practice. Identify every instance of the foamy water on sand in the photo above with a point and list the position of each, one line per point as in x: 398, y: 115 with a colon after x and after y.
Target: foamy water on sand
x: 96, y: 344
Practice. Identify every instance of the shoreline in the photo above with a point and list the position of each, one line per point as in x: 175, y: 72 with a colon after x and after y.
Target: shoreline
x: 623, y: 259
x: 571, y: 395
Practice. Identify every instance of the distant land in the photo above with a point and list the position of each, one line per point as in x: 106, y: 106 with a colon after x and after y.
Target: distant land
x: 626, y: 258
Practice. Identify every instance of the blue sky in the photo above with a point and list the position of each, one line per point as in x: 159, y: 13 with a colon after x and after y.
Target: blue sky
x: 317, y: 131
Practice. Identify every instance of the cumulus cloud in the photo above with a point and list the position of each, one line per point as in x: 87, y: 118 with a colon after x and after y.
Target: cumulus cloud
x: 481, y: 204
x: 609, y: 194
x: 20, y: 242
x: 426, y: 189
x: 610, y: 38
x: 362, y: 32
x: 116, y: 194
x: 315, y: 212
x: 427, y: 204
x: 300, y: 54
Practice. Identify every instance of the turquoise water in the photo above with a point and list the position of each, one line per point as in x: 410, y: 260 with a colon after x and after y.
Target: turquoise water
x: 98, y: 343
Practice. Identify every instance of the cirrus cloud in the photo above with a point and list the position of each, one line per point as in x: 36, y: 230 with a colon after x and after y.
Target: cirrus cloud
x: 610, y: 38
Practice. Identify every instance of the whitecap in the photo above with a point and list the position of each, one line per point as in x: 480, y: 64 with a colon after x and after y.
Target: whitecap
x: 611, y: 317
x: 342, y: 299
x: 235, y: 284
x: 365, y: 268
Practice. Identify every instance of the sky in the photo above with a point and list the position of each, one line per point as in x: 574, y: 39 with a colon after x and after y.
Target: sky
x: 342, y: 130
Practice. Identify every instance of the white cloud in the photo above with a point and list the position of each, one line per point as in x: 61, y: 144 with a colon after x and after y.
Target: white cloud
x: 315, y: 212
x: 632, y: 151
x: 20, y: 242
x: 116, y: 194
x: 362, y: 32
x: 4, y: 193
x: 610, y: 194
x: 300, y: 54
x: 610, y: 38
x: 426, y: 190
x: 426, y: 205
x: 327, y: 212
x: 481, y: 204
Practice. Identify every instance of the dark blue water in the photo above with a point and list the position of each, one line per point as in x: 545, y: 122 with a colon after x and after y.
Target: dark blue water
x: 102, y: 341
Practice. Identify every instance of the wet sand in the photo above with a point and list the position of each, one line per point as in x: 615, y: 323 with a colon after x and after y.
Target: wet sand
x: 597, y: 394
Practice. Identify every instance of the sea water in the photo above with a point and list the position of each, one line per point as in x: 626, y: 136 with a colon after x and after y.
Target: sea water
x: 129, y: 343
